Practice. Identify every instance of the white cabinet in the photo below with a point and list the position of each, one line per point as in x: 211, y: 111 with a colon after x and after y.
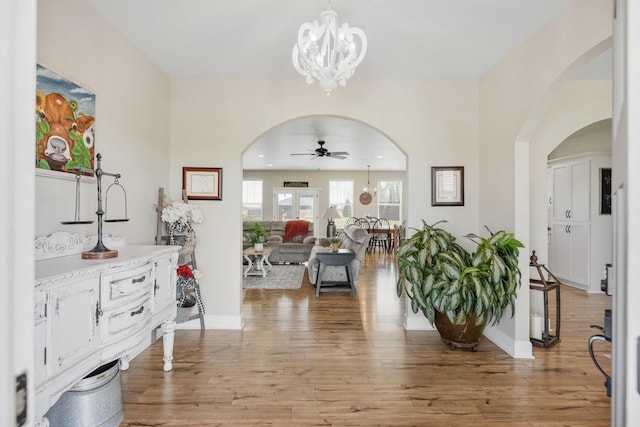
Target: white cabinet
x: 580, y: 234
x: 570, y: 252
x: 71, y: 307
x: 91, y: 312
x: 570, y: 198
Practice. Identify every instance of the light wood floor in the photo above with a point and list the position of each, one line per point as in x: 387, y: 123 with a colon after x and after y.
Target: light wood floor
x: 344, y: 361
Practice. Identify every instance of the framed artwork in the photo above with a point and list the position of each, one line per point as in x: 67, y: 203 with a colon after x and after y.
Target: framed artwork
x: 202, y: 183
x: 605, y: 191
x: 64, y: 122
x: 447, y: 186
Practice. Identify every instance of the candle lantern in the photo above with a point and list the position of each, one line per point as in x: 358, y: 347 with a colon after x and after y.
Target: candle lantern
x: 547, y: 283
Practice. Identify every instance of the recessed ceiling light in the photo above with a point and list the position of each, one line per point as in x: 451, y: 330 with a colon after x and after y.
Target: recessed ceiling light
x: 269, y: 165
x: 379, y: 156
x: 261, y: 155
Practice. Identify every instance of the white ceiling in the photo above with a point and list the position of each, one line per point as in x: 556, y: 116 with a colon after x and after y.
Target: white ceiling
x: 408, y: 39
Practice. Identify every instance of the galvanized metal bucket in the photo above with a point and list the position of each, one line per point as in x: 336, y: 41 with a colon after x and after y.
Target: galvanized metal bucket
x: 94, y: 401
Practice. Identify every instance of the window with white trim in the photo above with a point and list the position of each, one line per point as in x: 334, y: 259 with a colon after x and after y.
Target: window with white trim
x: 252, y: 200
x: 341, y: 198
x: 390, y: 201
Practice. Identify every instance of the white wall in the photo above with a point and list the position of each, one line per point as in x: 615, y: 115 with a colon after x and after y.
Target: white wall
x: 132, y: 119
x: 17, y: 85
x: 213, y: 121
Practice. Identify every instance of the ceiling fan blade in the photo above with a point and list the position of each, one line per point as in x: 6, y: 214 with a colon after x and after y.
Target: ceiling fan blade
x: 302, y: 154
x: 338, y: 153
x: 333, y: 156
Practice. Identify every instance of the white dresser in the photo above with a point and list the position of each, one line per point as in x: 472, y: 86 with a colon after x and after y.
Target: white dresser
x: 91, y: 312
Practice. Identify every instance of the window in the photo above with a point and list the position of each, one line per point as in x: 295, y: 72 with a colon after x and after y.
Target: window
x: 252, y: 200
x: 341, y: 198
x: 390, y: 201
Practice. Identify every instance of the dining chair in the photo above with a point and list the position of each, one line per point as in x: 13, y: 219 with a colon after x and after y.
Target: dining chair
x: 381, y: 235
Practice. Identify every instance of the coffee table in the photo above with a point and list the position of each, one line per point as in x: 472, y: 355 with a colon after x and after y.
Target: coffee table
x: 258, y: 261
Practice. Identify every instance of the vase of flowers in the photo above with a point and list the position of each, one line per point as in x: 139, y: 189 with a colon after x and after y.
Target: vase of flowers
x: 178, y: 217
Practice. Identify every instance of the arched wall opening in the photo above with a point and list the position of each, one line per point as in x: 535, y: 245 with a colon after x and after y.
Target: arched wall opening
x: 372, y: 156
x: 514, y: 97
x: 567, y: 106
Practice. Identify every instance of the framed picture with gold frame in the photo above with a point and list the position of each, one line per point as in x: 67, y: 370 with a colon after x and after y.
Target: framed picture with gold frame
x: 447, y: 186
x: 202, y: 183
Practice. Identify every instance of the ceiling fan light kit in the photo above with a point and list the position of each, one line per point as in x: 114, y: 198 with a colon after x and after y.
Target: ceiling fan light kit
x: 323, y: 152
x: 328, y: 53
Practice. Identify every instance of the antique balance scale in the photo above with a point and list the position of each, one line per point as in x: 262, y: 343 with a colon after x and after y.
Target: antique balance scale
x: 99, y: 251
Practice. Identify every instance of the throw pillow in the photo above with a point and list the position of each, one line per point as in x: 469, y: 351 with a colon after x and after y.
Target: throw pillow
x: 297, y: 239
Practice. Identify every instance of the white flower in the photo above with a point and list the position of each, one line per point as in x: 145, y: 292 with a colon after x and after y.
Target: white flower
x: 179, y: 211
x: 197, y: 275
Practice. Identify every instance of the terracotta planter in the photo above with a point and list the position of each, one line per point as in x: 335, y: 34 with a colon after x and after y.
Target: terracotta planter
x: 463, y: 336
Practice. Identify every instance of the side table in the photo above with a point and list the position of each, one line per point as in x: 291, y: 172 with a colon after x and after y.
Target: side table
x: 261, y: 258
x: 342, y: 257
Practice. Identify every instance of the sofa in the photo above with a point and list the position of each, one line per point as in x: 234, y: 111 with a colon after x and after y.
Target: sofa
x: 352, y: 237
x: 291, y: 240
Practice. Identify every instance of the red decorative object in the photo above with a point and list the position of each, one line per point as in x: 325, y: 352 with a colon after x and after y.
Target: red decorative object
x: 185, y: 271
x: 298, y: 227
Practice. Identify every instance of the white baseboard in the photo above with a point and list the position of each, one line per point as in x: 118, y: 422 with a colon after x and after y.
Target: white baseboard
x: 515, y: 349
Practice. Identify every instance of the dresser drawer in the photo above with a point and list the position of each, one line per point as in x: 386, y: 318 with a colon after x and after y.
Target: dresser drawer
x: 125, y: 319
x: 117, y: 288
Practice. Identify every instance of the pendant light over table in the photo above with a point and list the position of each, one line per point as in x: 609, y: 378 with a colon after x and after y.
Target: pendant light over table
x: 365, y: 196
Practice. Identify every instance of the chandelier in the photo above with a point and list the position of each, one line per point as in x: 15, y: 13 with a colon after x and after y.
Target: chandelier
x: 328, y: 53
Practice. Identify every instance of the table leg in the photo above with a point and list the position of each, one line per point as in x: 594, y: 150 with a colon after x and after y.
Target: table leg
x: 319, y: 279
x: 260, y: 266
x: 350, y: 279
x: 250, y: 264
x: 168, y: 328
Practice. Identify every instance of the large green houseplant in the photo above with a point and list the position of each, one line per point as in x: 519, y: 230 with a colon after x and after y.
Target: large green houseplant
x: 457, y: 289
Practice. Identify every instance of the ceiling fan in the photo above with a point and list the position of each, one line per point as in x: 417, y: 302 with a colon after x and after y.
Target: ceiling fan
x: 323, y: 152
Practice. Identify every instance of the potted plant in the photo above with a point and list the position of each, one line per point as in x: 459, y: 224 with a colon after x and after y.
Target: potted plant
x: 257, y: 235
x: 459, y: 291
x: 335, y: 243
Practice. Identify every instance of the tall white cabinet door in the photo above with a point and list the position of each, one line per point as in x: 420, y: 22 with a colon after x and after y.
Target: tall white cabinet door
x: 561, y: 192
x: 579, y: 210
x: 579, y: 237
x: 561, y: 250
x: 571, y: 191
x: 570, y: 252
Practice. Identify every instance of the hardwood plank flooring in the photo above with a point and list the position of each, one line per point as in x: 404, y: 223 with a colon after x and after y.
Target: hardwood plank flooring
x: 339, y: 360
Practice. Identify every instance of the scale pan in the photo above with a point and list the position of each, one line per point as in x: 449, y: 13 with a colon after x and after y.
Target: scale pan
x: 75, y: 222
x: 117, y: 220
